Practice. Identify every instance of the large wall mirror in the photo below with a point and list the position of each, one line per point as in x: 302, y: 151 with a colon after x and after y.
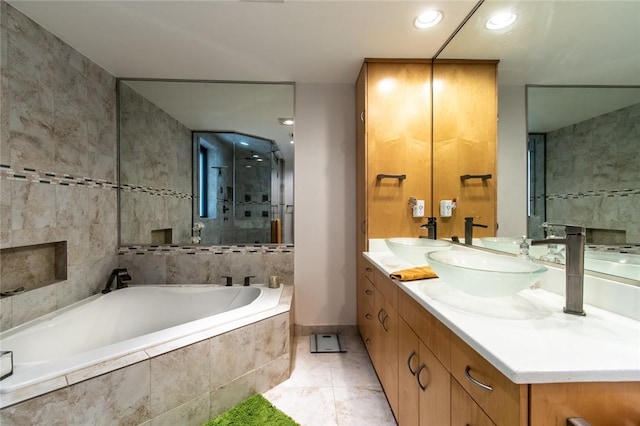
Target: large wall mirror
x: 205, y: 162
x: 570, y: 119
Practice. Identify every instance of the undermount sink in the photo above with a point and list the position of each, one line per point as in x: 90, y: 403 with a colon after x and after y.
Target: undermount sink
x: 413, y: 250
x: 485, y: 274
x: 512, y: 245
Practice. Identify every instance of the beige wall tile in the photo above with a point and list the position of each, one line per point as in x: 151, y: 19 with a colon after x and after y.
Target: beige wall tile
x: 179, y: 376
x: 50, y: 409
x: 225, y: 397
x: 273, y: 373
x: 119, y: 397
x: 192, y: 413
x: 272, y: 338
x: 232, y: 355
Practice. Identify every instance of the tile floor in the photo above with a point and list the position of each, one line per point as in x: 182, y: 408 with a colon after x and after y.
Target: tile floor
x: 327, y: 389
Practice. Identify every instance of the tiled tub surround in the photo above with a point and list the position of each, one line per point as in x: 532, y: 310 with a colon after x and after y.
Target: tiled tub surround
x: 207, y: 264
x: 606, y: 148
x: 155, y: 171
x: 57, y: 120
x: 185, y: 381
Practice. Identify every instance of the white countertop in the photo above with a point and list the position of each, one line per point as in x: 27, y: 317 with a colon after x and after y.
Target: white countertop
x: 527, y: 336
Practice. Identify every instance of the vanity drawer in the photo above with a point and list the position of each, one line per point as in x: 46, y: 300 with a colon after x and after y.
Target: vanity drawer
x: 435, y: 335
x: 366, y: 292
x: 369, y: 270
x: 464, y: 411
x: 387, y: 287
x: 504, y: 401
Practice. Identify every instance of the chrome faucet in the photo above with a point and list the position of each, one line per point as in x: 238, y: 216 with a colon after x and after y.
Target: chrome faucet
x: 122, y: 278
x: 574, y: 268
x: 431, y: 227
x: 468, y: 229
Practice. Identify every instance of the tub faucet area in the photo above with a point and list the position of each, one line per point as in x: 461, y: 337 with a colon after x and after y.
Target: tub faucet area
x: 574, y: 241
x: 121, y: 276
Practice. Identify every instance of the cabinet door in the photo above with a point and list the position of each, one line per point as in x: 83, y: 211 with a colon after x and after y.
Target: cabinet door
x: 606, y: 403
x: 398, y: 142
x: 408, y: 363
x: 389, y: 372
x: 464, y: 411
x: 434, y: 383
x: 361, y: 169
x: 465, y: 113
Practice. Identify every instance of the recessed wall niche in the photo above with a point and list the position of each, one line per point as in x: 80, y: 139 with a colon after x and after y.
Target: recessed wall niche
x: 32, y: 266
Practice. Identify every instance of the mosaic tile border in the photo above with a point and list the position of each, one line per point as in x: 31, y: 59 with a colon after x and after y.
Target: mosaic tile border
x: 588, y: 194
x: 190, y: 249
x: 623, y: 248
x: 32, y: 175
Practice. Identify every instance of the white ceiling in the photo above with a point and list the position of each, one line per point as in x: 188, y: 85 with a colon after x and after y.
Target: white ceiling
x: 305, y: 41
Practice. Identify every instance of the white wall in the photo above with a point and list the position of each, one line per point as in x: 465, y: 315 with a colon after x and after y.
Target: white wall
x: 325, y: 270
x: 512, y: 161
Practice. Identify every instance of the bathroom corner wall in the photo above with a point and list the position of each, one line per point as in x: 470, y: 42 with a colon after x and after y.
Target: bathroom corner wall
x: 58, y: 163
x: 606, y: 148
x: 155, y: 172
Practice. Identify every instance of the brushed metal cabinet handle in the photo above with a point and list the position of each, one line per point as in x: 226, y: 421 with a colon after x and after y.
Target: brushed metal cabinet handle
x: 476, y: 382
x: 367, y: 316
x: 369, y: 292
x: 384, y: 323
x: 577, y: 421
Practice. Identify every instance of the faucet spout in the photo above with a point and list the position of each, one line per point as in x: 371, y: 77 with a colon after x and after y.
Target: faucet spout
x: 122, y: 277
x: 432, y: 228
x: 468, y: 229
x: 574, y: 268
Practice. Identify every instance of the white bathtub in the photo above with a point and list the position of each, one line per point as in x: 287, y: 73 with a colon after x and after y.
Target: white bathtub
x: 106, y: 327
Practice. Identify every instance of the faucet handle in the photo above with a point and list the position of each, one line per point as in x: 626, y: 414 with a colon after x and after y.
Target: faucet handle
x: 247, y: 280
x: 229, y: 280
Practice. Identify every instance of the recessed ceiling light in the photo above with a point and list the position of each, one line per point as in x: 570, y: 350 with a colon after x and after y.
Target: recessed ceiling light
x: 428, y: 19
x: 244, y: 143
x: 501, y: 20
x: 286, y: 121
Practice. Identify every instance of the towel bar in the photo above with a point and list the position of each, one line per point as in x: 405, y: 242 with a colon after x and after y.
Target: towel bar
x: 483, y: 177
x: 385, y: 176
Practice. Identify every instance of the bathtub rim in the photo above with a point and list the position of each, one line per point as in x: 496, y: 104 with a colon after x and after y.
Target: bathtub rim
x: 80, y: 374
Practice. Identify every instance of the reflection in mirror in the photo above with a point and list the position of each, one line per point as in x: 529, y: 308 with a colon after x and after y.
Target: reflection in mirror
x: 162, y: 127
x: 238, y: 187
x: 548, y: 46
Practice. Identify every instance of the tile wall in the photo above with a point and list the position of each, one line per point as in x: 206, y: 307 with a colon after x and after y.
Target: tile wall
x: 155, y: 169
x: 57, y: 162
x: 207, y: 265
x: 592, y: 172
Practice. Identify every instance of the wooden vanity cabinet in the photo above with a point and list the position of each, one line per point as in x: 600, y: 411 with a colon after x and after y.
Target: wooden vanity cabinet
x: 505, y: 402
x: 601, y: 403
x: 464, y: 410
x: 378, y: 325
x: 423, y: 382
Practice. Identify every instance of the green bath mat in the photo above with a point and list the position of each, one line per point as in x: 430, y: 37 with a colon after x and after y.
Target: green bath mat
x: 255, y: 411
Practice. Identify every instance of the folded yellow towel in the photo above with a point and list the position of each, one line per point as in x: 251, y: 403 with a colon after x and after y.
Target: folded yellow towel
x: 417, y: 273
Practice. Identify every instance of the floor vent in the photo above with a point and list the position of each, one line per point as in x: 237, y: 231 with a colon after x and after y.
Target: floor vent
x: 324, y: 343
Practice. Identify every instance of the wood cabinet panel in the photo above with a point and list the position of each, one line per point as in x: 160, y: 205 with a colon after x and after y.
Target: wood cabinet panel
x: 408, y: 363
x: 602, y: 403
x: 464, y: 142
x: 464, y: 411
x: 387, y: 287
x: 431, y: 331
x: 505, y: 402
x: 435, y: 396
x: 398, y: 141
